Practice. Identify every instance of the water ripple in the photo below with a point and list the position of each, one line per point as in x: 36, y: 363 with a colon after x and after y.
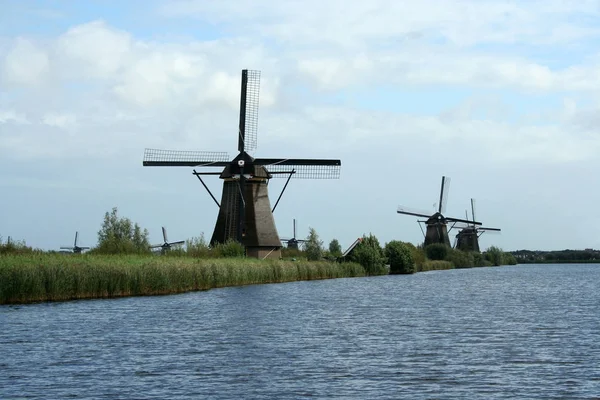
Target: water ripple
x: 490, y: 333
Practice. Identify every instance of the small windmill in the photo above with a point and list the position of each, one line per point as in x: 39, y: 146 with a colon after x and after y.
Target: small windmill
x: 166, y: 245
x: 467, y: 238
x: 75, y: 249
x: 437, y: 224
x: 293, y: 242
x: 245, y: 212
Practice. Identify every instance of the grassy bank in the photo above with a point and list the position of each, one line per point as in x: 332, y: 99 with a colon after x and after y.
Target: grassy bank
x: 54, y: 277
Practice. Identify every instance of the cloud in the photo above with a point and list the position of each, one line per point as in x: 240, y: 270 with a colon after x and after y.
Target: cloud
x: 25, y: 63
x: 507, y: 100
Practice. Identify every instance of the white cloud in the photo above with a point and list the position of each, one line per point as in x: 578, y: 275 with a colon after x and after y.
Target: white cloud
x: 25, y: 63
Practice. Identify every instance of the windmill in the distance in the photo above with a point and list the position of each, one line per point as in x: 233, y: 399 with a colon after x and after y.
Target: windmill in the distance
x: 245, y: 212
x: 467, y: 239
x: 293, y: 242
x: 76, y: 249
x: 437, y: 224
x: 166, y: 245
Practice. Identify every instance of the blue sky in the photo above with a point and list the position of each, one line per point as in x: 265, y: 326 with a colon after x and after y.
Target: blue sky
x: 501, y: 97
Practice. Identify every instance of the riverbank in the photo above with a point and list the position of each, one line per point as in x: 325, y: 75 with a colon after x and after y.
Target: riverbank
x: 60, y: 277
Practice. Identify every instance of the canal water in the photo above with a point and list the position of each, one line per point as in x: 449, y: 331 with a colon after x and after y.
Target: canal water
x: 526, y: 332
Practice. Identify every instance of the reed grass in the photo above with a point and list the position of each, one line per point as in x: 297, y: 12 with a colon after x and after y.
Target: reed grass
x: 56, y: 277
x: 435, y: 265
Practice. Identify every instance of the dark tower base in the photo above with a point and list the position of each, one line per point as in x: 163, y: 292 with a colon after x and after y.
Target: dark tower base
x: 261, y: 238
x: 467, y: 240
x: 437, y: 233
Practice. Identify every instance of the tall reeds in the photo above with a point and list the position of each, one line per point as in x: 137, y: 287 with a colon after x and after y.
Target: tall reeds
x: 53, y: 277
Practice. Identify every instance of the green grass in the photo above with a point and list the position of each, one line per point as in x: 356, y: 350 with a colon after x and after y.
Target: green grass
x: 26, y: 278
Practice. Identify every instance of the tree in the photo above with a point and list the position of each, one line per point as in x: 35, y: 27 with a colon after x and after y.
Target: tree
x: 399, y: 257
x: 313, y: 247
x: 369, y: 254
x: 120, y: 235
x: 335, y: 249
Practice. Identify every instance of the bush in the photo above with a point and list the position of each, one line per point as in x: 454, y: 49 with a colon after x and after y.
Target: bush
x: 335, y: 249
x: 460, y: 259
x: 479, y: 260
x: 230, y: 249
x: 295, y: 254
x: 494, y: 255
x: 436, y: 251
x: 369, y: 254
x: 399, y: 257
x: 509, y: 259
x: 121, y: 236
x: 15, y: 247
x: 197, y: 247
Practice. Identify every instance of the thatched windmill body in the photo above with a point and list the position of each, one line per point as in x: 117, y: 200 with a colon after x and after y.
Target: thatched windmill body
x: 467, y: 239
x: 245, y: 212
x: 437, y: 223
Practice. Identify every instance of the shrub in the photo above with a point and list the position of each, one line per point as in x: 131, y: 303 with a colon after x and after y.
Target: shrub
x: 335, y: 249
x: 231, y: 248
x: 369, y: 254
x: 479, y: 260
x: 399, y: 257
x: 436, y: 251
x: 197, y: 247
x: 295, y: 254
x: 494, y: 255
x: 509, y: 259
x: 460, y: 259
x: 121, y: 236
x: 15, y: 247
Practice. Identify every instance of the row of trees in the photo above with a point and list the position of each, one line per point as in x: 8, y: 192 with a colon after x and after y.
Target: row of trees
x: 557, y: 256
x: 119, y: 235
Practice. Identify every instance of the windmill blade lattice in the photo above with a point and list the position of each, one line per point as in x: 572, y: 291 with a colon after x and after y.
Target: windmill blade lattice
x: 249, y: 102
x: 303, y: 171
x: 183, y: 158
x: 444, y: 193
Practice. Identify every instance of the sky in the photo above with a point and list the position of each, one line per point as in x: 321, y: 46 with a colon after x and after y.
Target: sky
x: 500, y: 96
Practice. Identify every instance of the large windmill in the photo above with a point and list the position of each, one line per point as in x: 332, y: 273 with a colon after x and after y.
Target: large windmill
x: 245, y: 212
x: 166, y: 245
x: 467, y: 239
x: 293, y: 242
x: 437, y: 223
x: 75, y: 248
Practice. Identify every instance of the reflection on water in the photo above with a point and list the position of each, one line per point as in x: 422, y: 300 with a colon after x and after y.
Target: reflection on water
x: 510, y: 332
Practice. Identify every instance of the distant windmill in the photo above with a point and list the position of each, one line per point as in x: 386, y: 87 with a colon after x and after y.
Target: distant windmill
x: 293, y: 242
x: 437, y: 224
x: 467, y: 238
x: 245, y: 212
x: 166, y: 245
x: 75, y: 249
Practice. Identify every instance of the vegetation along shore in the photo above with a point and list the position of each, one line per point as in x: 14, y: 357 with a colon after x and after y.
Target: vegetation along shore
x: 122, y: 265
